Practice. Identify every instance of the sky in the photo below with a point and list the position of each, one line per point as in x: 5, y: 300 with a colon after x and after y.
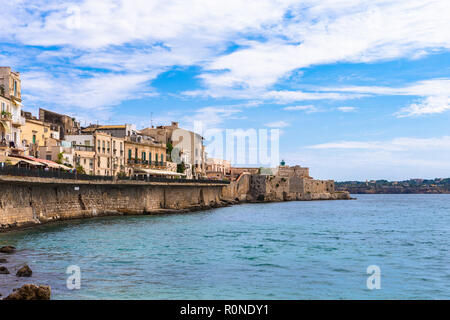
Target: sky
x: 358, y: 89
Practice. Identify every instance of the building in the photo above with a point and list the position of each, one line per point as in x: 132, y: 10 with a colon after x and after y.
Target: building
x: 140, y: 151
x: 5, y: 125
x: 119, y: 131
x: 297, y: 171
x: 105, y: 151
x: 62, y: 154
x: 67, y: 125
x: 217, y: 168
x: 11, y: 104
x: 36, y: 133
x: 189, y: 145
x: 144, y: 152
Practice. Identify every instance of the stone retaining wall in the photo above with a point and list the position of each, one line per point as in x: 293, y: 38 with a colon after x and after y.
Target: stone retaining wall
x: 26, y: 201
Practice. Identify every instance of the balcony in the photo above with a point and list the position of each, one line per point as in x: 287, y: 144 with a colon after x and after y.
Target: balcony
x: 18, y: 121
x: 146, y: 164
x: 5, y: 115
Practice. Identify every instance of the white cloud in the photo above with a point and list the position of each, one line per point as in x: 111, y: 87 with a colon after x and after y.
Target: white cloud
x: 346, y: 109
x: 137, y: 38
x: 307, y: 108
x: 277, y: 124
x: 393, y: 159
x: 332, y: 31
x: 397, y: 144
x: 435, y: 95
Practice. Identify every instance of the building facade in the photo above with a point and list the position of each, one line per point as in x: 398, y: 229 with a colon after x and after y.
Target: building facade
x: 67, y: 125
x: 217, y: 168
x: 187, y: 146
x: 99, y: 153
x: 143, y: 152
x: 11, y: 104
x: 36, y: 133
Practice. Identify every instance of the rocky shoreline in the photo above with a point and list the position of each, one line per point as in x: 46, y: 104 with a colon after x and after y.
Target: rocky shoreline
x: 26, y: 291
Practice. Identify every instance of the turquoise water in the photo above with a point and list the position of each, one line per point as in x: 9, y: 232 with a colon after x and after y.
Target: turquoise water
x: 290, y: 250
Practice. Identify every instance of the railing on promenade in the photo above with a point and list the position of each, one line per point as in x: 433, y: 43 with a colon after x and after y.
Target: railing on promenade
x: 57, y: 174
x: 41, y: 173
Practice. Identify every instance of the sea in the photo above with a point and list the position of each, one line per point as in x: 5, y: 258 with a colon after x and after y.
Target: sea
x: 375, y: 247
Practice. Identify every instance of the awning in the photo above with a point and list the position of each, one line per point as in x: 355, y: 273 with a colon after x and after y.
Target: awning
x: 158, y: 172
x: 64, y: 167
x: 47, y: 163
x: 15, y: 161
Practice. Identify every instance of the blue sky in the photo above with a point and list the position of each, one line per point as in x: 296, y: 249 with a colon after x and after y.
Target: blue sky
x: 359, y: 89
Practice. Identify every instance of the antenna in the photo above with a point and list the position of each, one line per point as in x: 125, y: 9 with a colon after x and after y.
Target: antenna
x: 151, y: 119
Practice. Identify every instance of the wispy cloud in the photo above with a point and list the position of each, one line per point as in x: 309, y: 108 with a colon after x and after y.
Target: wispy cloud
x: 307, y: 108
x: 136, y: 40
x: 346, y: 109
x: 277, y: 124
x: 434, y: 93
x: 397, y: 144
x: 394, y: 159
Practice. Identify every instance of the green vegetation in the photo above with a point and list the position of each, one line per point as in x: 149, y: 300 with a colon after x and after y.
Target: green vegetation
x: 60, y: 158
x: 80, y: 169
x: 169, y: 151
x: 6, y: 113
x: 121, y: 175
x: 181, y: 167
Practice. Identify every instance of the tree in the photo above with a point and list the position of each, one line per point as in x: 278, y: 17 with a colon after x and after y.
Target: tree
x: 181, y: 167
x: 80, y: 169
x: 169, y: 151
x: 60, y: 158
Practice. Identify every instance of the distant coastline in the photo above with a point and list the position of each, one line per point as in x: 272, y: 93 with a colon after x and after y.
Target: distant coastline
x: 412, y: 186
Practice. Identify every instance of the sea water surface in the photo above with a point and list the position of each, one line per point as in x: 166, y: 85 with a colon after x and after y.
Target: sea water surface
x: 288, y: 250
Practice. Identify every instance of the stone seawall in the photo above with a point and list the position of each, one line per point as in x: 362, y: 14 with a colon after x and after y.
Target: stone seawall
x: 27, y: 201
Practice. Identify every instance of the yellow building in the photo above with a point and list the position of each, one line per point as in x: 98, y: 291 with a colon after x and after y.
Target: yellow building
x: 11, y: 105
x: 35, y: 134
x: 85, y: 159
x: 144, y: 152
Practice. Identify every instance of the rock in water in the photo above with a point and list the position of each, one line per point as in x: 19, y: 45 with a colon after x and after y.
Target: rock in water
x: 25, y: 271
x: 4, y: 270
x: 7, y: 249
x: 30, y: 292
x: 2, y: 260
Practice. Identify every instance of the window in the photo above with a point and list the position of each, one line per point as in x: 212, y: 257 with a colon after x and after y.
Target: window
x: 129, y: 154
x: 162, y: 159
x: 149, y: 158
x: 156, y: 158
x: 15, y: 88
x: 143, y: 155
x: 136, y: 153
x: 34, y: 139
